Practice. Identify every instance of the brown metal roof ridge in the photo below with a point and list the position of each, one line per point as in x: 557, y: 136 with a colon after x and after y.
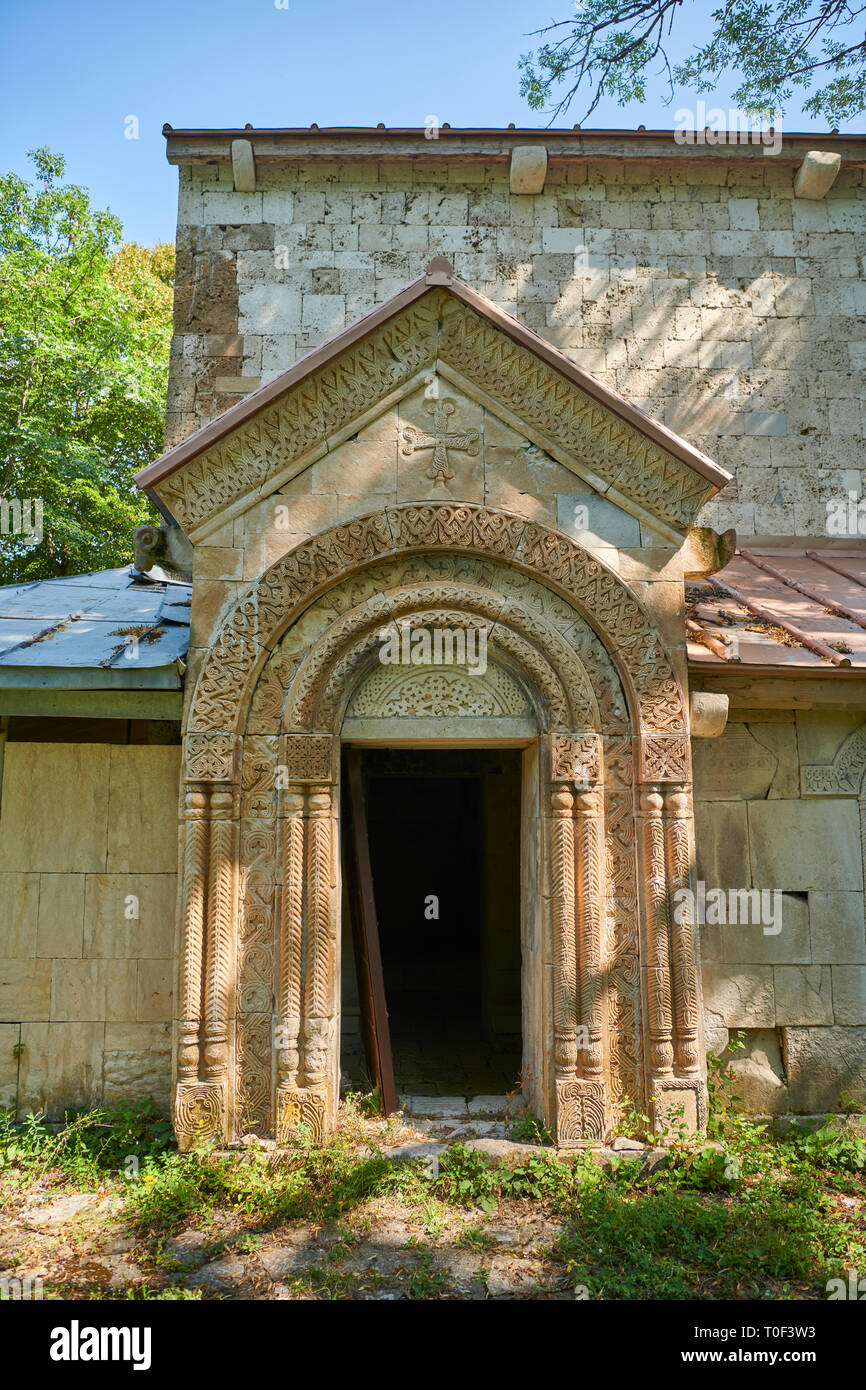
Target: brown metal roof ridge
x: 439, y: 273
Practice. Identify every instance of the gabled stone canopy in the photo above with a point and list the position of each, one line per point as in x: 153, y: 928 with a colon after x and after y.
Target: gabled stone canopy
x: 437, y: 326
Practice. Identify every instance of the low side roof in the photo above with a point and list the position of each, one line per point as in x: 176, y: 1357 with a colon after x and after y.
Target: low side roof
x: 75, y: 631
x: 793, y: 609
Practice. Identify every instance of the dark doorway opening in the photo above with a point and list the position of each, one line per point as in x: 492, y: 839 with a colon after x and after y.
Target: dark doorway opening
x: 444, y: 836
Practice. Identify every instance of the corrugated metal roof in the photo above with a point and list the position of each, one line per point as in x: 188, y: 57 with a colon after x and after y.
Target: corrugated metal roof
x: 791, y: 608
x: 134, y: 626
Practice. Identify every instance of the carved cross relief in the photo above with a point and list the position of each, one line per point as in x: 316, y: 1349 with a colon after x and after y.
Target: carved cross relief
x: 441, y: 439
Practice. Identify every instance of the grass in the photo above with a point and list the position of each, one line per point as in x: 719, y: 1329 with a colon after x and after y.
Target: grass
x: 744, y: 1216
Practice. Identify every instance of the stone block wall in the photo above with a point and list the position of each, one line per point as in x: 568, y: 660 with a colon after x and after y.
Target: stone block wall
x: 88, y: 865
x: 798, y: 990
x: 704, y: 291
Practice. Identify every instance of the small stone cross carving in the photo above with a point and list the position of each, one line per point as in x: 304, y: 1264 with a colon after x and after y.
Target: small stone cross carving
x: 441, y: 440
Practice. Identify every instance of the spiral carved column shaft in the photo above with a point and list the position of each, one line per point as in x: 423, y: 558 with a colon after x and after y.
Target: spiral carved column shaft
x: 219, y: 934
x: 565, y: 1003
x: 589, y: 861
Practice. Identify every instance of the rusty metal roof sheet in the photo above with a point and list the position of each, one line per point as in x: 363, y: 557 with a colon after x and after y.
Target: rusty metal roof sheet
x: 134, y: 627
x: 800, y: 607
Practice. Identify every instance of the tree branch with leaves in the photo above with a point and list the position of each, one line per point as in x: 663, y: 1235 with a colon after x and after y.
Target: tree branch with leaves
x: 777, y: 49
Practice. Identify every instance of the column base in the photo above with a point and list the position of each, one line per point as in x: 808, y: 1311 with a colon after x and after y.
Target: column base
x: 679, y: 1103
x: 199, y: 1113
x: 580, y: 1114
x: 299, y: 1109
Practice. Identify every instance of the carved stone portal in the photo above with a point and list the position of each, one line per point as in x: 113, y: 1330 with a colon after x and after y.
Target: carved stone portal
x: 617, y: 1009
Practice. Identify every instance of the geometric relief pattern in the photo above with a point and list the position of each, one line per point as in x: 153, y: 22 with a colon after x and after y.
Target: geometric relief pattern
x: 256, y: 933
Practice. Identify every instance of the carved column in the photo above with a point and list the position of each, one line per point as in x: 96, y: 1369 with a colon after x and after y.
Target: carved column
x: 658, y: 983
x: 577, y: 897
x: 208, y: 925
x: 191, y: 952
x: 672, y: 991
x: 308, y: 1067
x: 291, y: 940
x: 687, y: 1022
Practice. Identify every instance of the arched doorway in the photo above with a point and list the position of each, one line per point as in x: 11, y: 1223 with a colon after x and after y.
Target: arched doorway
x: 611, y: 1000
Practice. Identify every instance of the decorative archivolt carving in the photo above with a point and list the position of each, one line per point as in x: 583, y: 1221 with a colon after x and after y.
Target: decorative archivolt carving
x: 331, y: 668
x: 388, y: 360
x: 225, y: 684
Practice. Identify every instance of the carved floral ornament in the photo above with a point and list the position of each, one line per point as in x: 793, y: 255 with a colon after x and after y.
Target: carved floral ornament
x: 260, y: 899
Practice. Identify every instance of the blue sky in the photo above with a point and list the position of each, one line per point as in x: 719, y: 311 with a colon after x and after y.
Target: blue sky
x: 73, y: 72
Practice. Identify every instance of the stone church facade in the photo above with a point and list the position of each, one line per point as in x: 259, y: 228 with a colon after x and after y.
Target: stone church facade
x: 517, y: 384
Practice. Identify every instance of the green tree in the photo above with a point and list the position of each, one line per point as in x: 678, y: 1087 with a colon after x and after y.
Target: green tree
x: 85, y: 325
x: 775, y: 48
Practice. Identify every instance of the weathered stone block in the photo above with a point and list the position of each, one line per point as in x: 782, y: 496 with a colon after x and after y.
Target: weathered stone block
x: 61, y: 1065
x: 743, y: 997
x: 10, y: 1036
x: 849, y: 994
x: 55, y: 809
x: 61, y: 915
x: 803, y: 994
x: 127, y: 916
x: 19, y: 903
x: 722, y: 845
x: 821, y: 1063
x: 137, y: 1063
x: 802, y: 845
x: 25, y: 989
x: 746, y: 940
x: 142, y: 824
x: 838, y: 928
x: 93, y: 990
x: 155, y: 987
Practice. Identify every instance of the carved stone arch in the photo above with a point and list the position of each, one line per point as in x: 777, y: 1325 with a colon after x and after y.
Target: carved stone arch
x: 549, y: 665
x: 657, y: 701
x: 260, y: 896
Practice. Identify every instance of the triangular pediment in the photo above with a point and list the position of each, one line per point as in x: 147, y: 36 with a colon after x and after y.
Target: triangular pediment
x: 436, y: 330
